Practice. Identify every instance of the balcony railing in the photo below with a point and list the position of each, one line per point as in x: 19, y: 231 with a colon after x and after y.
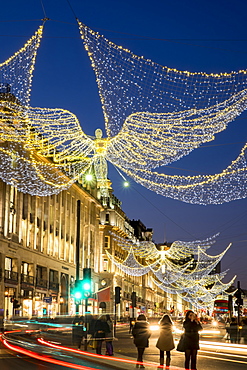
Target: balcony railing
x: 11, y: 276
x: 53, y: 286
x: 27, y: 279
x: 41, y: 283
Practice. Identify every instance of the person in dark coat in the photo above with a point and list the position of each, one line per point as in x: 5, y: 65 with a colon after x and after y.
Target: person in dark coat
x: 109, y: 337
x: 233, y: 331
x: 165, y: 341
x: 244, y: 330
x: 141, y: 334
x: 91, y: 319
x: 77, y: 331
x: 191, y: 339
x: 101, y: 328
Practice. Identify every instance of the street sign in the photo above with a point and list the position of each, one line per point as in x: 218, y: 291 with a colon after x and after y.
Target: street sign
x: 47, y: 299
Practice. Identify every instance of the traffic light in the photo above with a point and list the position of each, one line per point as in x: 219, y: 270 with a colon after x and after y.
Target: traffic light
x: 117, y: 294
x: 238, y: 295
x: 133, y: 299
x: 78, y: 289
x: 16, y: 304
x: 86, y: 283
x: 230, y: 303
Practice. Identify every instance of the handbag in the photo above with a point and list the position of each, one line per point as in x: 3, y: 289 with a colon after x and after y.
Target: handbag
x: 93, y: 344
x: 181, y: 344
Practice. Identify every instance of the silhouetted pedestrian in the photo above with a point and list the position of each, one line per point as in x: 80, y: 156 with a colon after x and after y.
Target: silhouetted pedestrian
x: 101, y: 328
x: 165, y: 341
x: 109, y: 337
x: 233, y: 331
x: 191, y: 339
x: 244, y: 330
x: 77, y: 331
x: 141, y: 334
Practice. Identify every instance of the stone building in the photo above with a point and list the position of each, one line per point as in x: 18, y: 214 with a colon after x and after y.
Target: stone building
x: 37, y: 249
x: 38, y: 255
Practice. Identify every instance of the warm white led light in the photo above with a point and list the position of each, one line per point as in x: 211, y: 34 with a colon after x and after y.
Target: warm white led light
x: 183, y: 268
x: 89, y: 177
x: 154, y: 115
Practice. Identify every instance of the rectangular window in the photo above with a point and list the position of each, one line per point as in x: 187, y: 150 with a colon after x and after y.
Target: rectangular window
x: 105, y: 264
x: 107, y: 218
x: 39, y: 272
x: 24, y: 268
x: 25, y: 206
x: 54, y: 276
x: 8, y: 264
x: 107, y: 242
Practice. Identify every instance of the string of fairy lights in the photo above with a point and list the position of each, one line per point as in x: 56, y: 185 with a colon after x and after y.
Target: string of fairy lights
x: 17, y: 71
x: 154, y: 115
x: 184, y: 268
x: 129, y: 84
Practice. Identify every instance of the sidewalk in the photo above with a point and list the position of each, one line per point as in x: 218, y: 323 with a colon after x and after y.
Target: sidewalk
x: 118, y: 361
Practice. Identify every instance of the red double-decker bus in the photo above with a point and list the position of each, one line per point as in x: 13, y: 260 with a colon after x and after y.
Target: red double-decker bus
x: 220, y: 307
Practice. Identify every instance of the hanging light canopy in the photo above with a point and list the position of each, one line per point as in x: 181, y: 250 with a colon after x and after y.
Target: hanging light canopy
x: 154, y: 115
x: 183, y: 268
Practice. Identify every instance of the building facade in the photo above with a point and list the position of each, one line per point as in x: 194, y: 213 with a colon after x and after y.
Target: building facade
x: 37, y: 249
x: 39, y: 263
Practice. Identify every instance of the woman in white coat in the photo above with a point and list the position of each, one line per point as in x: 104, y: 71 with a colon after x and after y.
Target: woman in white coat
x: 165, y: 341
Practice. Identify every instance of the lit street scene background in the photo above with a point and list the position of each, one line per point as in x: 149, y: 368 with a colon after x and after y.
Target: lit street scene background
x: 216, y: 351
x: 123, y: 180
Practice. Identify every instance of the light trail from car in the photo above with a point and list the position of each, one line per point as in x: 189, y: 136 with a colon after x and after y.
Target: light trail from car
x: 111, y: 358
x: 45, y: 358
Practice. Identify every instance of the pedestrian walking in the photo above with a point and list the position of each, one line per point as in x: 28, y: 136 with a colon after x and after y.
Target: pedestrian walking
x: 141, y: 334
x: 165, y: 341
x: 101, y: 328
x: 91, y: 321
x: 77, y: 331
x: 109, y: 337
x: 233, y: 331
x: 192, y: 327
x: 244, y: 330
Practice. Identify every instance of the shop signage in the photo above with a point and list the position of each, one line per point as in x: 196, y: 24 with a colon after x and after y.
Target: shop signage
x: 47, y: 299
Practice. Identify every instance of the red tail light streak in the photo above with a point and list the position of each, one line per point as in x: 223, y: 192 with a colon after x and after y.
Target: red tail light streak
x: 112, y: 358
x: 45, y: 358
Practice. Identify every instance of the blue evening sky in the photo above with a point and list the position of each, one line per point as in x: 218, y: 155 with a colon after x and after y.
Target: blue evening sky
x: 192, y: 35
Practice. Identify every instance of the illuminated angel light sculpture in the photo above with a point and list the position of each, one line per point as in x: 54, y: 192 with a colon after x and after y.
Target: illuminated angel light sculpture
x: 20, y: 165
x: 183, y: 268
x: 154, y: 115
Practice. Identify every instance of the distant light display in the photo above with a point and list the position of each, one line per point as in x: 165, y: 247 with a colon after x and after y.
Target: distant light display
x: 184, y: 268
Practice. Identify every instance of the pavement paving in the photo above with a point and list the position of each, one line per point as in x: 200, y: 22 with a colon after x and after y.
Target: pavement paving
x: 118, y: 360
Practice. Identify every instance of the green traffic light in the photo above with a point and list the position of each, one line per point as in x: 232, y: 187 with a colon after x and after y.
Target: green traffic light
x: 78, y: 295
x: 86, y: 286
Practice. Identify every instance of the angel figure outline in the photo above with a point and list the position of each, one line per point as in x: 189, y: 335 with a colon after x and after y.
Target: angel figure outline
x: 154, y: 115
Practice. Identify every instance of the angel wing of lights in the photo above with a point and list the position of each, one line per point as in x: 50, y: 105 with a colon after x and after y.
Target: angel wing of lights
x: 169, y: 273
x: 154, y: 115
x: 130, y: 265
x: 188, y: 273
x: 17, y: 71
x: 169, y: 113
x: 20, y: 164
x: 177, y: 250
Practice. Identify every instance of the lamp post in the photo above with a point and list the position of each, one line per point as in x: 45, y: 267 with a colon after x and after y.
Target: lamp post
x: 77, y: 250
